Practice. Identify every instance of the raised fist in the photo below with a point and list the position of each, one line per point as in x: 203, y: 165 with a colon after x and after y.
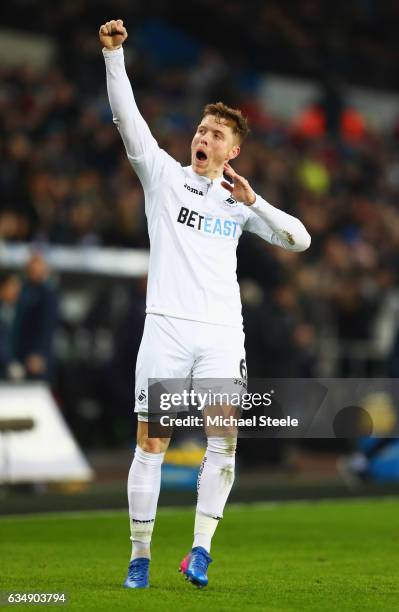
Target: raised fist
x: 113, y: 34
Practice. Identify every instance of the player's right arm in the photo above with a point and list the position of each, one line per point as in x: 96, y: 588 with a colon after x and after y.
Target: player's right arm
x: 141, y: 147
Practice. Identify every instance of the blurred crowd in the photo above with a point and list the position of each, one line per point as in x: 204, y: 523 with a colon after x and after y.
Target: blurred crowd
x: 28, y: 319
x: 356, y: 39
x: 64, y: 177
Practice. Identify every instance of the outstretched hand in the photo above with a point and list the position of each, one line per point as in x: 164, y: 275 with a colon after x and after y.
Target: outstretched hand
x: 112, y: 34
x: 240, y: 189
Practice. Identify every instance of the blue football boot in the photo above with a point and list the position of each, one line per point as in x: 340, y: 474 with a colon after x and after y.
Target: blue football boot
x: 195, y: 566
x: 138, y: 574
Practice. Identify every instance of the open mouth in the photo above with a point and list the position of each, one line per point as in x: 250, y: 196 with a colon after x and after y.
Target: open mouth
x: 201, y: 155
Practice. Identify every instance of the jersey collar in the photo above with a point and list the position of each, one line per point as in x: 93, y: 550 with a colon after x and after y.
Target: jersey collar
x: 201, y: 179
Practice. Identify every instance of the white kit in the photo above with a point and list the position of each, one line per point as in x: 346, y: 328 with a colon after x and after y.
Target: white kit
x: 194, y: 225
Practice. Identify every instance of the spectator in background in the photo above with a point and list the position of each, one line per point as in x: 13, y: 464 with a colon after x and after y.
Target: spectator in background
x: 115, y: 389
x: 35, y: 321
x: 279, y: 343
x: 10, y: 287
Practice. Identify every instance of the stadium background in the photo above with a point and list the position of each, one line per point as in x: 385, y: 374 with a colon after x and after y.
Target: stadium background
x: 319, y: 85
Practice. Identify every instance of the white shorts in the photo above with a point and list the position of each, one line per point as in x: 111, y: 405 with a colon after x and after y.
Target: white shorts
x: 180, y: 348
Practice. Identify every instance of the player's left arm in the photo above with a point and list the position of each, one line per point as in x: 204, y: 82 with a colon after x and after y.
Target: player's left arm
x: 269, y: 222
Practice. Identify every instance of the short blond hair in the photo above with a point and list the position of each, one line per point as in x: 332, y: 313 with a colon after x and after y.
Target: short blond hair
x: 234, y: 118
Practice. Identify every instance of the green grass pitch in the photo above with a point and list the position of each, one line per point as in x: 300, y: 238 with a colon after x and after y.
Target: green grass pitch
x: 298, y: 556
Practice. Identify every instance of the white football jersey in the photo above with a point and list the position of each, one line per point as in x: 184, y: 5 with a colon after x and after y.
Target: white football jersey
x: 194, y: 224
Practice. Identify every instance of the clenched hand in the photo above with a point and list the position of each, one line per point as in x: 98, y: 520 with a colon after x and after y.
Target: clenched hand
x: 112, y: 34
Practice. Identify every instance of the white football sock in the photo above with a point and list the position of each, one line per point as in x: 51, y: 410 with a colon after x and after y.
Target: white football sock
x: 143, y: 486
x: 215, y: 480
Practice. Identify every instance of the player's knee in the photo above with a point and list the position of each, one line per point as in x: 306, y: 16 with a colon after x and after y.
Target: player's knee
x: 223, y: 445
x: 148, y: 444
x: 151, y: 445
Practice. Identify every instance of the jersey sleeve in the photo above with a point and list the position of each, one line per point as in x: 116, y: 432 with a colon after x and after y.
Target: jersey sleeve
x: 147, y: 158
x: 276, y: 226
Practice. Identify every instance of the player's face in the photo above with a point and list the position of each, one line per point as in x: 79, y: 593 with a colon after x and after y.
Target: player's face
x: 213, y: 144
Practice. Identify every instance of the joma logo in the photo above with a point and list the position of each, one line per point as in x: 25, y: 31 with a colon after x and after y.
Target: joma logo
x: 193, y: 190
